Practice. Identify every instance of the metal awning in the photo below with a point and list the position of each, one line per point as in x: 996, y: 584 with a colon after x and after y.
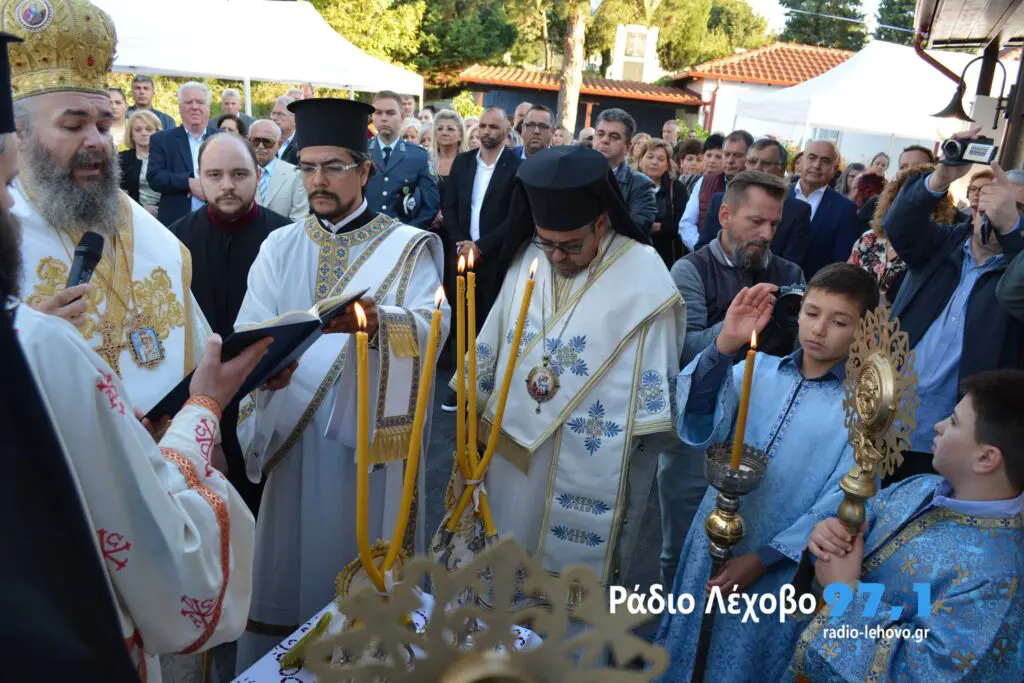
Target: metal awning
x: 970, y: 23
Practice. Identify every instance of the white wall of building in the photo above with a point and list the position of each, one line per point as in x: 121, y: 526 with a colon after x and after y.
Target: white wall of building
x: 729, y: 93
x: 629, y: 62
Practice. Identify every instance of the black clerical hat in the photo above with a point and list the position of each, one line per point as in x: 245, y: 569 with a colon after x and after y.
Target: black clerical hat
x: 564, y: 189
x: 331, y: 122
x: 6, y: 103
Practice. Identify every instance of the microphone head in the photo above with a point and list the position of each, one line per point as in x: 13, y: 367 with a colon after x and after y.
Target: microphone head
x: 90, y: 246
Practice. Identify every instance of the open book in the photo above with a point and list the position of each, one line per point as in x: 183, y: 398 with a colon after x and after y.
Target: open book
x: 293, y: 333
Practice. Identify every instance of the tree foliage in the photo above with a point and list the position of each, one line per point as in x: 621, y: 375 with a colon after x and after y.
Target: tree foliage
x: 383, y: 28
x: 895, y: 13
x: 733, y: 24
x: 601, y: 29
x: 457, y: 33
x: 465, y: 105
x: 826, y: 27
x: 683, y: 26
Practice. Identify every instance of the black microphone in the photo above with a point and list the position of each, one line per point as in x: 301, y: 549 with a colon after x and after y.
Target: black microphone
x: 87, y: 254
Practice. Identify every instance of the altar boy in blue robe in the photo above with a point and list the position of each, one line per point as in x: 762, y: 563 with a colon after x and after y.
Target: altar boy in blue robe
x: 796, y: 417
x: 960, y: 534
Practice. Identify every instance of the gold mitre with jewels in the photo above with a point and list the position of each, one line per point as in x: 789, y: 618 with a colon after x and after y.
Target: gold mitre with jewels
x: 68, y: 45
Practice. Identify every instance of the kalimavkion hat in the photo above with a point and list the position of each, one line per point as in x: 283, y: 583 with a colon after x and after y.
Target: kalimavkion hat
x: 331, y: 122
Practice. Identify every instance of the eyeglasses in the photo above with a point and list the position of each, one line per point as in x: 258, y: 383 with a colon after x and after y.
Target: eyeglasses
x: 973, y: 191
x: 263, y: 142
x: 538, y: 125
x: 329, y: 170
x: 568, y: 248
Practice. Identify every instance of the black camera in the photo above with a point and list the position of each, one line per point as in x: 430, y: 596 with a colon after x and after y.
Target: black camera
x: 963, y: 152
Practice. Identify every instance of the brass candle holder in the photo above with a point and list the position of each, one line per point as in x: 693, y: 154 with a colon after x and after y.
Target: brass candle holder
x: 724, y: 524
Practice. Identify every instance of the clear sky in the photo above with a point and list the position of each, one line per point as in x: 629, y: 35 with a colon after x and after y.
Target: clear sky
x: 776, y: 16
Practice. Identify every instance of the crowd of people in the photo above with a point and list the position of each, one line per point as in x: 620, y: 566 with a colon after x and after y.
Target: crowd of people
x: 230, y: 520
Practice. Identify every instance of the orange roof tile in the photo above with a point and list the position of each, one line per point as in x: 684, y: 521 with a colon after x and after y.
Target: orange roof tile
x: 541, y: 80
x: 774, y: 64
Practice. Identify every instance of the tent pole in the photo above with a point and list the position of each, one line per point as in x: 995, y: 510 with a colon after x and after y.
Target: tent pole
x: 351, y: 93
x: 247, y: 85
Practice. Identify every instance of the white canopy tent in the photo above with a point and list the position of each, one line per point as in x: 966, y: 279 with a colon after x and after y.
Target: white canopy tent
x: 884, y: 88
x: 248, y: 40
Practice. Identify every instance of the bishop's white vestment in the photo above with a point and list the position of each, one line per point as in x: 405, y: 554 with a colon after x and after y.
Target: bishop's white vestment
x: 141, y: 317
x: 303, y: 437
x: 571, y: 476
x: 175, y: 537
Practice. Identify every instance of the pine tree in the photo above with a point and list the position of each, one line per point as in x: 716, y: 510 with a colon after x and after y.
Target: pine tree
x: 895, y: 13
x: 826, y: 26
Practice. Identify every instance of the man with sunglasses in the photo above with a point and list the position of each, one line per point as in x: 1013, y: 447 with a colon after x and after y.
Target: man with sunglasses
x: 590, y: 401
x: 302, y: 438
x: 280, y: 187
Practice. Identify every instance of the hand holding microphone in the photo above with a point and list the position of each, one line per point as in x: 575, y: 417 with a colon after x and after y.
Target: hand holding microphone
x: 69, y: 304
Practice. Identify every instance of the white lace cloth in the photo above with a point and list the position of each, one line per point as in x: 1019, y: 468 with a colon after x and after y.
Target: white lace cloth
x: 268, y: 668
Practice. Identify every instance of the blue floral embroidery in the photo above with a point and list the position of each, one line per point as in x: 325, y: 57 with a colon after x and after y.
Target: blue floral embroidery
x: 528, y: 336
x: 568, y: 356
x: 586, y: 538
x: 594, y: 427
x: 651, y: 396
x: 582, y: 504
x: 485, y: 363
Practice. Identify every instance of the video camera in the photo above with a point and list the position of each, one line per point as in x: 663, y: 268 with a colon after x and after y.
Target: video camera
x: 962, y: 152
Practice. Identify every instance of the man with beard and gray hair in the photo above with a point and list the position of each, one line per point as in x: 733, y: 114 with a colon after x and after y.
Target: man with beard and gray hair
x: 139, y: 296
x: 709, y: 279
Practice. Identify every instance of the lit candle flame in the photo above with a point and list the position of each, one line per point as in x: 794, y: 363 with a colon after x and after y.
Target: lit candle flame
x: 471, y: 259
x: 360, y: 316
x: 439, y: 296
x: 533, y: 267
x: 462, y: 264
x: 753, y: 340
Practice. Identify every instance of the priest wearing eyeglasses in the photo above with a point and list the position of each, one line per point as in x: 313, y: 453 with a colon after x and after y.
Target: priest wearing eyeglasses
x: 302, y: 438
x: 590, y: 404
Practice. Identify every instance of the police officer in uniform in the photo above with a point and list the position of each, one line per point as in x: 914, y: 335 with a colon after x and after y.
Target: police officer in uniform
x: 403, y: 186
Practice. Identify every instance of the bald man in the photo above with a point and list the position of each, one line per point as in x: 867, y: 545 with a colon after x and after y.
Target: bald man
x: 225, y: 237
x: 834, y: 226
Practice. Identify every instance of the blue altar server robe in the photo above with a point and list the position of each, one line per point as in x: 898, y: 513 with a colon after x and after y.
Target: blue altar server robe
x: 798, y: 423
x: 970, y: 553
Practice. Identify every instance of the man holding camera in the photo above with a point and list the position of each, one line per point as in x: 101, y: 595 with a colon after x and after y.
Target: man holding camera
x: 948, y: 304
x: 709, y: 279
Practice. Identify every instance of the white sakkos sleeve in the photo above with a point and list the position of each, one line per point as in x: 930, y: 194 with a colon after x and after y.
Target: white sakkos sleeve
x: 176, y: 538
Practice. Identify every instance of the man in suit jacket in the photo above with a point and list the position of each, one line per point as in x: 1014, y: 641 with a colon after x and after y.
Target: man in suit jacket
x: 476, y: 203
x: 280, y: 187
x: 285, y: 120
x: 834, y: 226
x: 174, y: 155
x: 614, y: 135
x: 231, y: 103
x: 403, y: 186
x: 538, y: 127
x: 793, y: 234
x: 142, y: 93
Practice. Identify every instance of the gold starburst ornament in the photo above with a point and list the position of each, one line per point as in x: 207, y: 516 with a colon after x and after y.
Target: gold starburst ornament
x: 881, y: 407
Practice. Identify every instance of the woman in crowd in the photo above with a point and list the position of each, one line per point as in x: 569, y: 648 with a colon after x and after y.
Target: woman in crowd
x: 472, y: 137
x: 794, y: 168
x: 689, y: 157
x: 671, y: 196
x: 636, y: 151
x: 447, y: 141
x: 978, y: 180
x: 411, y: 130
x: 846, y: 179
x: 140, y: 127
x: 879, y: 164
x: 714, y: 161
x: 426, y: 138
x: 561, y: 136
x: 872, y: 251
x: 229, y: 123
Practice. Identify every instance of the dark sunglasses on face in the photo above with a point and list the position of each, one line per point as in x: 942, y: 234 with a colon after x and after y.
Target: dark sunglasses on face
x: 263, y: 142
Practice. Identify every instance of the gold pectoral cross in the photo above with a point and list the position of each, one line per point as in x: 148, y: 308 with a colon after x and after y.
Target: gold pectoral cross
x: 112, y: 344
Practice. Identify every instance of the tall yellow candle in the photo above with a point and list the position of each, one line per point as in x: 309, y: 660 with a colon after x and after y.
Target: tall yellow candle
x: 460, y: 372
x: 741, y: 418
x: 499, y: 413
x: 412, y: 463
x: 363, y: 452
x: 471, y: 445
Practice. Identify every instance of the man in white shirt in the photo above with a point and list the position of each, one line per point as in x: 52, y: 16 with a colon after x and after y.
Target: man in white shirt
x: 285, y: 120
x: 477, y: 197
x: 231, y: 103
x: 834, y: 225
x: 280, y: 187
x: 734, y: 160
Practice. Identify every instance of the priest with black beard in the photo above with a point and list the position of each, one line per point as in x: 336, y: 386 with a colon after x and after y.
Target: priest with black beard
x: 225, y: 237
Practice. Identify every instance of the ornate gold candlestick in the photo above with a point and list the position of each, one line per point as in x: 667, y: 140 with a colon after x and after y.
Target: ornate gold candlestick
x: 724, y: 524
x: 881, y: 405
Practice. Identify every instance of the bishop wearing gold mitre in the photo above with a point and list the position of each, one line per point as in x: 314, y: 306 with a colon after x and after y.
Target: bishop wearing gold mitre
x: 137, y: 312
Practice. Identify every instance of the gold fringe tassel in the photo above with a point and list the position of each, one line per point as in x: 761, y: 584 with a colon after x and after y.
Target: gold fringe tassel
x: 390, y: 444
x: 507, y: 448
x: 403, y: 343
x: 295, y: 657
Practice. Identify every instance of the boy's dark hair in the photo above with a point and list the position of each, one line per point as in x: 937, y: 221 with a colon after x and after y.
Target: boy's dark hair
x: 850, y: 281
x: 999, y: 416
